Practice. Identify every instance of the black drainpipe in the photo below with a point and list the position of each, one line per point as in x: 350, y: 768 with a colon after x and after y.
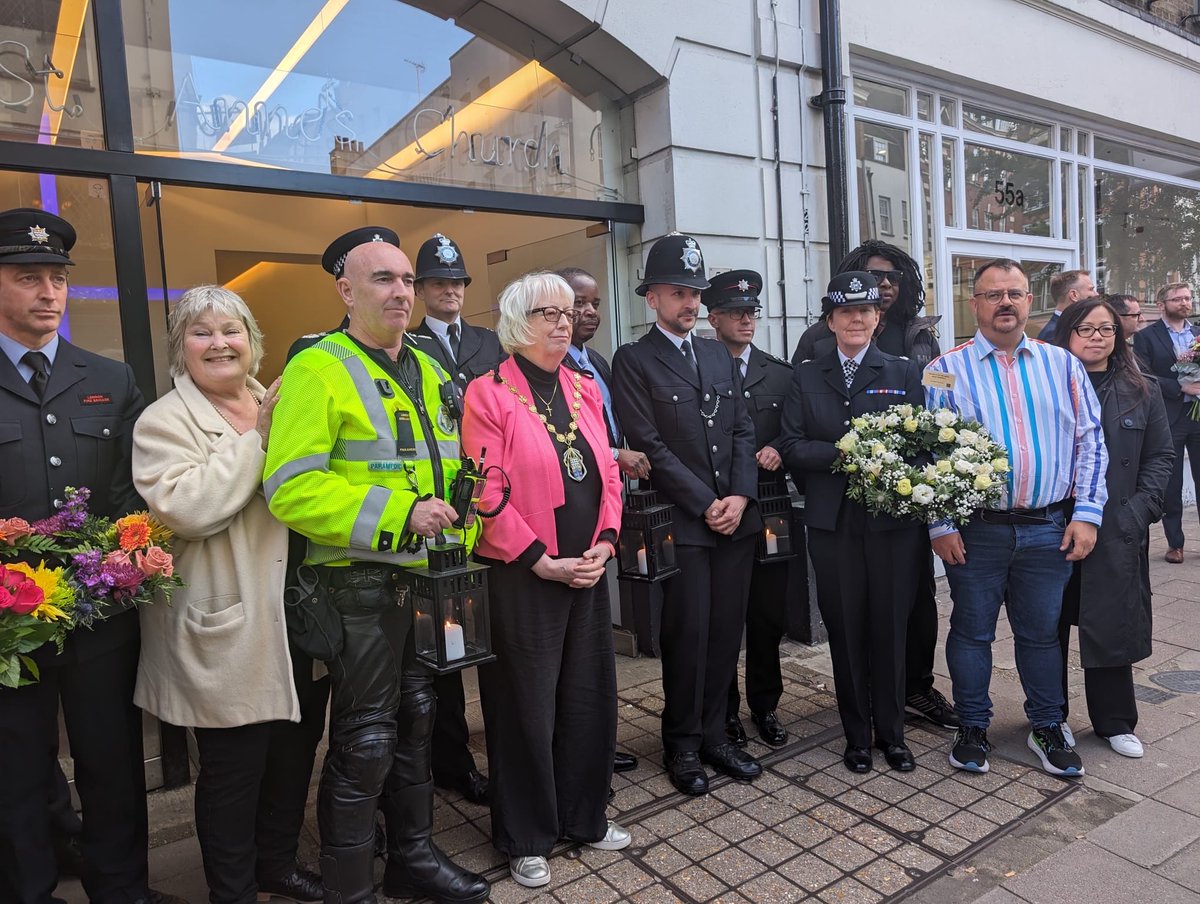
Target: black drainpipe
x: 832, y: 103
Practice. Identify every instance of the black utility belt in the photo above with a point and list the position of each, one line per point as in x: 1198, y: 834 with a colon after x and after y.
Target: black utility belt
x: 362, y: 576
x: 1024, y: 516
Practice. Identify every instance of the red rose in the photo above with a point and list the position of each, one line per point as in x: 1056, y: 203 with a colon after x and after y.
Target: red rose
x: 18, y: 594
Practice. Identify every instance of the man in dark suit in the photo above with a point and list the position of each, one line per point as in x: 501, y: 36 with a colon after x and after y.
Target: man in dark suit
x: 866, y: 565
x: 1066, y: 288
x: 66, y: 419
x: 678, y: 398
x: 465, y: 352
x: 1158, y: 346
x: 733, y: 309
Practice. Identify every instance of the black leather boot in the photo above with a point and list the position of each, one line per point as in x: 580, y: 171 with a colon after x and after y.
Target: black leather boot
x: 347, y: 874
x: 416, y: 867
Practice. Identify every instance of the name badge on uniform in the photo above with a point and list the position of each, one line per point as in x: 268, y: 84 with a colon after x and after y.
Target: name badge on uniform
x: 406, y: 440
x: 938, y: 379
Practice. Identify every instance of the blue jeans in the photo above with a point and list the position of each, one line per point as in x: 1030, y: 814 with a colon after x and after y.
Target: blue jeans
x: 1021, y: 566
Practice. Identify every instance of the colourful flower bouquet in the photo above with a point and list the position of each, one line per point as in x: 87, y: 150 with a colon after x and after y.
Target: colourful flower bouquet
x: 967, y: 472
x: 98, y: 567
x: 1187, y: 365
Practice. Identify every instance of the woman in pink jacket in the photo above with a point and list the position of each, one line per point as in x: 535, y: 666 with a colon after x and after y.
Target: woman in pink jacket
x: 550, y: 698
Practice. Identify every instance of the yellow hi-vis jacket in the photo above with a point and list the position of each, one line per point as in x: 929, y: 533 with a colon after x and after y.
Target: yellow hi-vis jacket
x: 339, y: 468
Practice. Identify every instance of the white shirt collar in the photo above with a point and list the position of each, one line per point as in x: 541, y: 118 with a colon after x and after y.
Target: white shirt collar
x: 858, y: 359
x: 676, y: 341
x: 438, y: 327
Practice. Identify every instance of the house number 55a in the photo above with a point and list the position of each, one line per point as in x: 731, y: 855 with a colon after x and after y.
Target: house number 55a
x: 1007, y: 193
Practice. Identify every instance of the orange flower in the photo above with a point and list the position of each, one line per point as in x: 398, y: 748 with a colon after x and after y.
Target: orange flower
x: 13, y: 529
x: 133, y: 531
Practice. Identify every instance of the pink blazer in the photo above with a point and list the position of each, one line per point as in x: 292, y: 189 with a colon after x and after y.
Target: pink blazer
x: 516, y: 440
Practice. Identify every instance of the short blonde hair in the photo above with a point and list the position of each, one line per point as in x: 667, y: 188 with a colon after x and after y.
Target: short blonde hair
x: 533, y: 290
x: 199, y: 301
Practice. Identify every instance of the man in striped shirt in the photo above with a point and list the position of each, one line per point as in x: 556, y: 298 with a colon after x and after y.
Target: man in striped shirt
x: 1037, y: 401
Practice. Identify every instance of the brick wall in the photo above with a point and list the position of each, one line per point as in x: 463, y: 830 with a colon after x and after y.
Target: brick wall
x: 1169, y: 11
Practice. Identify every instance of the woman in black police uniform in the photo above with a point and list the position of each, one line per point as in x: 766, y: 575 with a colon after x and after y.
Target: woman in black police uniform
x: 865, y: 565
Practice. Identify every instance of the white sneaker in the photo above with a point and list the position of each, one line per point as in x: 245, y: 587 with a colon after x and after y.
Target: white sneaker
x: 532, y: 872
x: 615, y: 839
x: 1127, y: 745
x: 1068, y: 735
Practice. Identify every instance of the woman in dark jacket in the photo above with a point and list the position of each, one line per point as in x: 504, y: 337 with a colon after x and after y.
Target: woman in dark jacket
x: 1108, y: 594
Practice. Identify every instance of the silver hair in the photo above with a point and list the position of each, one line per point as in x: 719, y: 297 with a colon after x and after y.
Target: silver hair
x: 533, y: 290
x: 199, y: 301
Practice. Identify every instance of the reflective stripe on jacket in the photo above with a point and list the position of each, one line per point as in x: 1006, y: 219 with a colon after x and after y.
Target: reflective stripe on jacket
x: 335, y: 469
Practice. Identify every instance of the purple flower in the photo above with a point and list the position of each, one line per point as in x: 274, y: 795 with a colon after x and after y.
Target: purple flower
x: 71, y: 515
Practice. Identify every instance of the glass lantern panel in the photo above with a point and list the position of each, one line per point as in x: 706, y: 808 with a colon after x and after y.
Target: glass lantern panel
x: 633, y: 552
x: 424, y: 619
x: 777, y: 533
x: 453, y: 619
x: 664, y: 546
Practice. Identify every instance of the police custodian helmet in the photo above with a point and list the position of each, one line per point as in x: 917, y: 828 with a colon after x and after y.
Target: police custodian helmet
x: 439, y: 258
x: 674, y: 260
x: 32, y: 236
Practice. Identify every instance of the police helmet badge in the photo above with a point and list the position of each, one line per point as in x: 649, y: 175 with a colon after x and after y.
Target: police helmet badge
x: 446, y: 251
x: 691, y: 256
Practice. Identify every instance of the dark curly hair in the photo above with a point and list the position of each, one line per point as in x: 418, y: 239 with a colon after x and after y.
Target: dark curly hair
x: 912, y: 287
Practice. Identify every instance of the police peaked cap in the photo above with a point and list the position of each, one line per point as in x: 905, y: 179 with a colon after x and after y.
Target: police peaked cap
x: 674, y: 260
x: 440, y: 258
x: 334, y: 258
x: 853, y: 287
x: 32, y: 236
x: 733, y: 289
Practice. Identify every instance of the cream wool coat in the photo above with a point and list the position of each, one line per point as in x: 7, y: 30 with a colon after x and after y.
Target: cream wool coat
x: 217, y: 656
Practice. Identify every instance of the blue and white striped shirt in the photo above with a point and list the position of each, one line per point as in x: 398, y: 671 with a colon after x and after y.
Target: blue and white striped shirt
x: 1040, y: 405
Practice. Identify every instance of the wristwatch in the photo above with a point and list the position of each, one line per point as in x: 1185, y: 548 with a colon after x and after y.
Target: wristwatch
x: 616, y: 453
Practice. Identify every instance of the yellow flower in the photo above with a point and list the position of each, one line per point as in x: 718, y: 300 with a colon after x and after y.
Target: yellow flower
x: 944, y: 466
x: 904, y: 486
x: 859, y: 423
x: 847, y: 443
x: 55, y: 590
x: 910, y: 425
x: 982, y: 481
x: 1000, y: 464
x: 947, y: 435
x: 851, y: 467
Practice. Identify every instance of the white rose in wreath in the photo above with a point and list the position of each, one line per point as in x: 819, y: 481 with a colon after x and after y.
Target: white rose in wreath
x: 945, y: 418
x: 922, y: 494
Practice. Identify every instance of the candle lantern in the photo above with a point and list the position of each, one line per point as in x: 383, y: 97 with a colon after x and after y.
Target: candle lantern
x: 451, y: 628
x: 775, y: 507
x: 647, y: 542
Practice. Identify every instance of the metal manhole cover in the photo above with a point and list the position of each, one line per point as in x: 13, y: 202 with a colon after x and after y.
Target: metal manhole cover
x: 1183, y: 682
x: 1145, y: 694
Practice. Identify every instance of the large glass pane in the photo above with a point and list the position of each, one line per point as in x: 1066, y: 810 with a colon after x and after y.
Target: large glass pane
x: 49, y: 83
x: 371, y: 88
x: 1116, y: 152
x: 91, y: 321
x: 1147, y: 233
x: 878, y: 96
x: 883, y: 193
x: 1006, y: 125
x: 1007, y: 191
x: 962, y: 272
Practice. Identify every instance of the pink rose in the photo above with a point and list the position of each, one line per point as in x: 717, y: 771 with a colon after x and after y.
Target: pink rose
x: 155, y: 561
x: 117, y: 557
x: 13, y: 529
x: 18, y: 594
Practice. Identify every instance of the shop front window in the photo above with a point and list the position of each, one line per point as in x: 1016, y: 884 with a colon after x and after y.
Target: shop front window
x: 1147, y: 233
x: 369, y: 88
x: 1006, y: 125
x: 92, y: 320
x: 49, y: 82
x: 1007, y: 191
x: 883, y: 182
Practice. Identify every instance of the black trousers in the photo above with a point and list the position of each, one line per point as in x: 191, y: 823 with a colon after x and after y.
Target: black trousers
x: 703, y: 613
x: 252, y: 790
x: 866, y: 583
x: 922, y: 628
x: 1185, y: 434
x: 550, y: 712
x: 105, y: 732
x: 766, y: 623
x: 452, y: 758
x: 1111, y: 705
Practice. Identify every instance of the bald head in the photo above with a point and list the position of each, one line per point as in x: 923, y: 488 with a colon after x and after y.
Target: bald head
x: 377, y: 287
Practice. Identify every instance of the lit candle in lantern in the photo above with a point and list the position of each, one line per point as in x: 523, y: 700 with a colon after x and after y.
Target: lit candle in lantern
x: 772, y: 543
x: 643, y: 568
x: 455, y: 647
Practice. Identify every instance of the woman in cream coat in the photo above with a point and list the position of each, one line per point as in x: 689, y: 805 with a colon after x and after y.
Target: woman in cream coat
x: 217, y: 659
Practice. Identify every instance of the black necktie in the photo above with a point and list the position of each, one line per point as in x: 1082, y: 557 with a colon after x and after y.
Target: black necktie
x: 686, y: 348
x: 455, y: 340
x: 41, y: 372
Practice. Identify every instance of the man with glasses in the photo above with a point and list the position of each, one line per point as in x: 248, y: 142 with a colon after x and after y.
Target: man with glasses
x: 678, y: 399
x: 1129, y: 309
x: 1158, y: 347
x: 1066, y: 288
x: 733, y: 310
x: 1035, y: 399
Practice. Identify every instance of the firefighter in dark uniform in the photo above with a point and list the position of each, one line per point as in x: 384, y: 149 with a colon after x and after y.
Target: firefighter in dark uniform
x: 866, y: 566
x: 66, y: 419
x: 733, y: 308
x: 679, y: 400
x: 465, y: 352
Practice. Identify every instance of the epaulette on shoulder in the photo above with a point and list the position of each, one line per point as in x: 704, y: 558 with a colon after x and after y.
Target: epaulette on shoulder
x: 777, y: 360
